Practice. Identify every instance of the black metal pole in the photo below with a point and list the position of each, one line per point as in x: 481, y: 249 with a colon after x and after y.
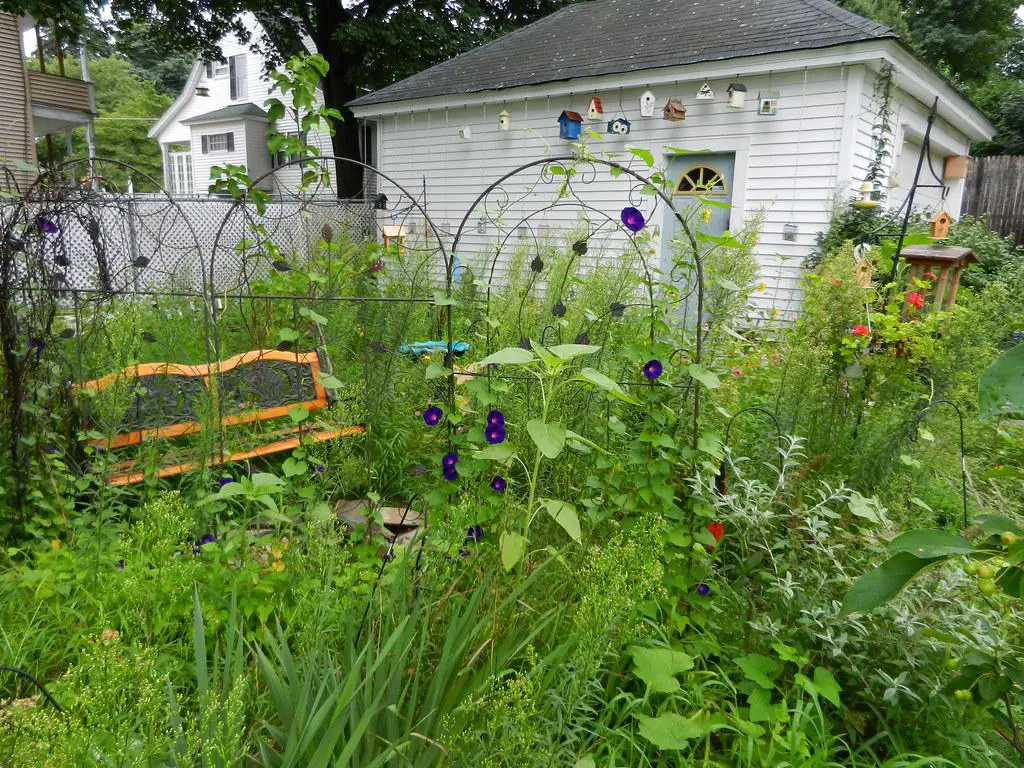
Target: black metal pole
x: 913, y: 188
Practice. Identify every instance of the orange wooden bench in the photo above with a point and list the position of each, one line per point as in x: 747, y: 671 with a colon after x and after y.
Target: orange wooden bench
x: 168, y: 400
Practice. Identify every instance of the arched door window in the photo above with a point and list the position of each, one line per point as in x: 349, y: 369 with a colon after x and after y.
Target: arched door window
x: 700, y: 180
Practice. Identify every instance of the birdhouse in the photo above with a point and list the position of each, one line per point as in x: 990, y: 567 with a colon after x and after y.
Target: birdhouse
x: 569, y: 124
x: 939, y: 266
x: 465, y: 132
x: 705, y: 93
x: 595, y: 111
x: 789, y: 231
x: 647, y: 102
x: 619, y: 125
x: 866, y: 200
x: 940, y: 225
x: 737, y: 95
x: 768, y: 103
x: 504, y: 120
x: 674, y: 111
x: 954, y: 168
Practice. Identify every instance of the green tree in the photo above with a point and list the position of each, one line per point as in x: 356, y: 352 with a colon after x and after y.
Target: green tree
x: 126, y: 107
x: 152, y: 59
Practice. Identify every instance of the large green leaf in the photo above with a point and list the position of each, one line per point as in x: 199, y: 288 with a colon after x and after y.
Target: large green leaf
x: 1001, y: 388
x: 703, y: 375
x: 606, y: 383
x: 671, y: 731
x: 500, y: 452
x: 882, y: 584
x: 508, y: 356
x: 550, y: 438
x: 565, y: 515
x: 927, y: 543
x: 513, y: 547
x: 658, y: 667
x: 760, y: 669
x: 569, y: 351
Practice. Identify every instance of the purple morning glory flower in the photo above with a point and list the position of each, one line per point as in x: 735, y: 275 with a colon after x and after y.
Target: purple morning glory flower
x: 120, y: 565
x: 450, y: 473
x: 209, y: 538
x: 498, y: 484
x: 496, y: 419
x: 632, y: 219
x: 449, y: 460
x: 653, y: 369
x: 196, y: 550
x: 494, y: 435
x: 46, y: 226
x: 432, y: 416
x: 319, y: 469
x: 703, y: 589
x: 474, y: 534
x: 225, y: 480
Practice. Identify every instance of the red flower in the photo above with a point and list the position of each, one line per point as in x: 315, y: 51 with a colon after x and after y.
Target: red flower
x: 915, y: 299
x: 717, y: 532
x: 931, y: 276
x: 860, y: 330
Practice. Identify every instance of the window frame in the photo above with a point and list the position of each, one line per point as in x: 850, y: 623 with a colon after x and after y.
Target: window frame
x: 207, y: 140
x: 700, y: 192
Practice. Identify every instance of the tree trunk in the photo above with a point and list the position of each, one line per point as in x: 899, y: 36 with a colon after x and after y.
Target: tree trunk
x: 339, y: 89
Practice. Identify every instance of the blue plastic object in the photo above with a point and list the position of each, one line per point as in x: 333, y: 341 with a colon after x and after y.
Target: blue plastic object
x: 421, y: 348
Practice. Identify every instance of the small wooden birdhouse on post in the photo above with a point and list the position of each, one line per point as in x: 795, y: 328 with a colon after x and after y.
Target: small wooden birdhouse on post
x: 674, y: 111
x: 569, y: 124
x: 940, y: 225
x: 940, y: 267
x: 595, y: 111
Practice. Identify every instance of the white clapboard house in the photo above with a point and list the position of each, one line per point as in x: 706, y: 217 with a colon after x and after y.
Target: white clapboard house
x: 781, y: 108
x: 220, y: 117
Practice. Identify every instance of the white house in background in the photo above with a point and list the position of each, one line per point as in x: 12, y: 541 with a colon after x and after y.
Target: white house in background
x: 798, y: 140
x: 220, y: 117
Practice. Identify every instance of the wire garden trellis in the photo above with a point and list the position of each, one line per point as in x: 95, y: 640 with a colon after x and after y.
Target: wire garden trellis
x: 75, y: 254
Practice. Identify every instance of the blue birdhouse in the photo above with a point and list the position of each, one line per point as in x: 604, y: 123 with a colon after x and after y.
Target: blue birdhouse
x: 619, y: 126
x: 569, y: 124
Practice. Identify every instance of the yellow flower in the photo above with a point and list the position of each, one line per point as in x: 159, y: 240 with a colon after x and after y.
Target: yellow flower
x: 276, y: 551
x: 55, y: 544
x: 761, y: 287
x: 706, y: 215
x: 278, y: 565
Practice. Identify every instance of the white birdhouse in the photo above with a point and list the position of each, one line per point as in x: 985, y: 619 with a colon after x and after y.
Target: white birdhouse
x: 595, y: 111
x: 647, y: 102
x: 465, y: 132
x: 504, y: 120
x: 705, y: 93
x: 737, y: 95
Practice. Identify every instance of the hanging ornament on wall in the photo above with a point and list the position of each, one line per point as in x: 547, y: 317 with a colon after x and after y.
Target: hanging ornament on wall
x: 595, y: 111
x: 619, y: 126
x: 768, y: 103
x: 737, y: 95
x: 569, y: 124
x: 465, y: 132
x: 504, y: 120
x: 674, y: 111
x: 705, y: 93
x: 647, y: 102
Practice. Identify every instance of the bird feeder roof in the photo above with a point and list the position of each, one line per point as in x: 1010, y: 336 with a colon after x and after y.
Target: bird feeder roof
x: 570, y: 115
x: 939, y: 255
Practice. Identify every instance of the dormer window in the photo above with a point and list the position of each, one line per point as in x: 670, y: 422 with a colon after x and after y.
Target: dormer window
x: 217, y: 69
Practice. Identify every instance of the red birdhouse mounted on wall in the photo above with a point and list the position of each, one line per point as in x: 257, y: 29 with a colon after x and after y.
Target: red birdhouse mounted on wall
x: 595, y: 110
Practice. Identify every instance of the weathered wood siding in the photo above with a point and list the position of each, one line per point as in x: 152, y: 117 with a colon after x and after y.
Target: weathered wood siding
x: 50, y: 90
x: 995, y: 188
x: 16, y: 142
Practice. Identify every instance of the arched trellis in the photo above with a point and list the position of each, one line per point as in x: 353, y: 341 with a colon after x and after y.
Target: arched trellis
x: 641, y: 187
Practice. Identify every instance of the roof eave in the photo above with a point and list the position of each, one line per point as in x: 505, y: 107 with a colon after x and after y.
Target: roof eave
x: 176, y: 106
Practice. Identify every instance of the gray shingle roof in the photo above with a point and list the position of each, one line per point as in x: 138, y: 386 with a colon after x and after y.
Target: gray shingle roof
x: 233, y: 112
x: 601, y: 37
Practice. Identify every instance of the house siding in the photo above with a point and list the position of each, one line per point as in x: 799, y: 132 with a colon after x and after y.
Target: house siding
x: 202, y: 164
x: 786, y: 165
x: 16, y: 140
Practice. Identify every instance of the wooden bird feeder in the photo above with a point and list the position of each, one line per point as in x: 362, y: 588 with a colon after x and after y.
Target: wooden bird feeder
x: 940, y: 225
x: 674, y: 111
x: 939, y: 265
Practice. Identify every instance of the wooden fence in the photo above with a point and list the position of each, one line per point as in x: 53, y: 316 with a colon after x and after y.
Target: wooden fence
x: 995, y: 187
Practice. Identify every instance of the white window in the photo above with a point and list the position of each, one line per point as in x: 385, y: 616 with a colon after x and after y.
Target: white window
x: 181, y: 173
x: 218, y: 142
x: 217, y: 69
x: 239, y: 77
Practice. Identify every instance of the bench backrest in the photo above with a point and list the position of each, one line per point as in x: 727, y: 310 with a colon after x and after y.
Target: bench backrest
x: 169, y: 400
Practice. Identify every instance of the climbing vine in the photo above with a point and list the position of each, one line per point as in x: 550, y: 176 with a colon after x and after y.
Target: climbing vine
x: 882, y: 127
